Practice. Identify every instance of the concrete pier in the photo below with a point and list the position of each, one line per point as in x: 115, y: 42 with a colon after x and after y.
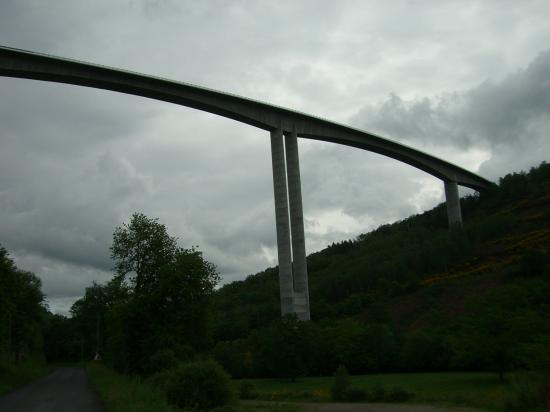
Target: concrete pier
x: 452, y: 199
x: 284, y: 252
x: 299, y: 264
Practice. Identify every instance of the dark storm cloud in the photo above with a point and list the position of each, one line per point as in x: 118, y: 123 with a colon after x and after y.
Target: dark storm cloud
x: 503, y: 116
x: 60, y: 185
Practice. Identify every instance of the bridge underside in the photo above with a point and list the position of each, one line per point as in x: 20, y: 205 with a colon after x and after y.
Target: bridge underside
x: 285, y: 127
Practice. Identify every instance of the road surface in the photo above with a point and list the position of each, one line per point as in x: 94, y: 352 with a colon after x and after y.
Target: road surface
x: 65, y: 390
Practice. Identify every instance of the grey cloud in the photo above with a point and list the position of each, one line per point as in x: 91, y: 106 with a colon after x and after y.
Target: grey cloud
x: 503, y: 116
x: 76, y: 162
x: 62, y: 282
x: 369, y: 189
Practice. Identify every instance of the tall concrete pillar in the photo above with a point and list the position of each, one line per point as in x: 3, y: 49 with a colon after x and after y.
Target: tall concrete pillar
x: 286, y: 284
x: 452, y: 199
x: 301, y: 292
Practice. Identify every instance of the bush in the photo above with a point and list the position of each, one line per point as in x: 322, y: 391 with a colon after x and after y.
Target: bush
x: 162, y: 360
x: 198, y: 385
x: 124, y: 393
x: 377, y: 394
x: 533, y: 263
x: 341, y: 383
x: 160, y: 380
x: 528, y: 391
x: 398, y: 394
x: 246, y: 391
x: 355, y: 394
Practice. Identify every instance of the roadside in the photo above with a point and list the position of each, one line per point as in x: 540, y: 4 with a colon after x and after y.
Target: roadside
x: 15, y: 376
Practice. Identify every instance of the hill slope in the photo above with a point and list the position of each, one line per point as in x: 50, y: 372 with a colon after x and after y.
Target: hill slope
x: 421, y: 283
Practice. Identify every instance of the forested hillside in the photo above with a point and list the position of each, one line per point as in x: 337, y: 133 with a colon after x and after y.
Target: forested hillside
x: 412, y: 295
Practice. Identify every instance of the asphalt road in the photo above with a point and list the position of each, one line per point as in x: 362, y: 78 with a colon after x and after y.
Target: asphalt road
x: 65, y: 390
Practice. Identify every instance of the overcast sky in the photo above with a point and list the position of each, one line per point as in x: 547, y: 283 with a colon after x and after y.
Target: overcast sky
x: 468, y: 81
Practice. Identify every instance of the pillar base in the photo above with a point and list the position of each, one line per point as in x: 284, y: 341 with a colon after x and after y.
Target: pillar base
x: 454, y: 213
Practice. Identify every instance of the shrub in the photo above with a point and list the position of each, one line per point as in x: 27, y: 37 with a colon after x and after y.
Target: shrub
x: 377, y: 394
x: 533, y: 263
x: 162, y: 360
x: 246, y: 390
x: 355, y: 394
x: 198, y: 385
x: 341, y: 383
x: 398, y: 394
x: 160, y: 380
x: 4, y: 369
x: 528, y: 392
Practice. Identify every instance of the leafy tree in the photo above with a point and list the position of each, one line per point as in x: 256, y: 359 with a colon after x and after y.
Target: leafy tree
x: 61, y: 339
x: 281, y: 349
x: 159, y: 299
x: 22, y: 310
x: 426, y: 350
x: 140, y: 250
x: 498, y: 327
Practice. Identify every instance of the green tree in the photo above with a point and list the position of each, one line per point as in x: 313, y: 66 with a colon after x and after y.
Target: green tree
x: 281, y: 349
x: 168, y: 301
x: 140, y: 250
x: 493, y: 334
x: 22, y: 310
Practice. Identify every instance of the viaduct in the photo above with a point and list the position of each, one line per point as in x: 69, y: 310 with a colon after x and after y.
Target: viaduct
x: 284, y: 126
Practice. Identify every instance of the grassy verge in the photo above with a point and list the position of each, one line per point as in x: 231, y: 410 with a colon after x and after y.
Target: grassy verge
x: 14, y: 376
x: 121, y: 393
x: 477, y: 390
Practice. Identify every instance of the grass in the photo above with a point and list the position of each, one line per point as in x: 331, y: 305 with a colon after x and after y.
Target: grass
x: 477, y: 390
x: 14, y: 376
x: 274, y: 407
x: 122, y: 393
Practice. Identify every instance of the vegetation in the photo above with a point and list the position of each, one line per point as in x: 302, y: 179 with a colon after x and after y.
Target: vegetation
x: 151, y: 319
x: 481, y: 390
x: 122, y: 393
x: 410, y: 296
x: 341, y: 384
x: 156, y: 305
x: 22, y: 317
x: 201, y: 385
x: 22, y: 312
x: 410, y: 310
x: 14, y: 375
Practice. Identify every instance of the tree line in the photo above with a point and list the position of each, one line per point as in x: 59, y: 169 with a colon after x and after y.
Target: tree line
x: 157, y: 303
x: 22, y: 312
